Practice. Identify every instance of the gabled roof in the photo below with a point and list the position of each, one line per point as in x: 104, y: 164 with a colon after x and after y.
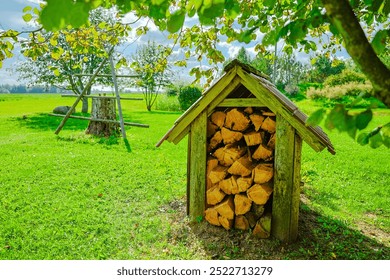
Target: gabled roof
x: 264, y: 92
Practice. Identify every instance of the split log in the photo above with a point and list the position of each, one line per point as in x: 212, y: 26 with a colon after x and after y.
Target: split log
x: 262, y: 152
x: 218, y: 118
x: 242, y: 204
x: 263, y: 227
x: 257, y: 121
x: 262, y: 173
x: 243, y: 167
x: 248, y: 110
x: 225, y: 222
x: 243, y: 183
x: 218, y: 174
x: 211, y: 128
x: 253, y: 138
x: 268, y: 114
x: 269, y: 125
x: 211, y: 164
x: 257, y: 210
x: 241, y: 222
x: 236, y: 120
x: 251, y: 218
x: 229, y: 154
x: 272, y: 141
x: 230, y: 136
x: 211, y: 215
x: 215, y: 140
x: 214, y: 195
x: 229, y: 185
x: 259, y: 194
x: 226, y: 208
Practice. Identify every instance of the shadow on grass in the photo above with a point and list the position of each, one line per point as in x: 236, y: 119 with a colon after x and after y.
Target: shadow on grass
x: 319, y: 237
x: 44, y: 122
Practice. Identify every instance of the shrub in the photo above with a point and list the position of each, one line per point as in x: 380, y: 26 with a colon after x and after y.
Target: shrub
x: 291, y: 89
x: 172, y: 91
x: 167, y: 102
x: 188, y: 95
x: 345, y: 77
x: 305, y: 86
x: 335, y: 92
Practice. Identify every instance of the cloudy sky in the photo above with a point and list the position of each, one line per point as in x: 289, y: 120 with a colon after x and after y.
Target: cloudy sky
x: 11, y: 18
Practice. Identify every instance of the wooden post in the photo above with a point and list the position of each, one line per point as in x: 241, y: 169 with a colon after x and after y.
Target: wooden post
x: 285, y: 207
x: 118, y: 100
x: 197, y: 163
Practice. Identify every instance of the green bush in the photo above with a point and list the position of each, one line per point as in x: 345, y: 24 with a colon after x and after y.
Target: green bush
x: 305, y: 86
x: 167, y: 102
x: 188, y: 95
x: 172, y: 91
x: 345, y: 77
x: 335, y: 92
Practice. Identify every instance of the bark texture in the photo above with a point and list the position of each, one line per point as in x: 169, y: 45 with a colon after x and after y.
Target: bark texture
x: 103, y: 109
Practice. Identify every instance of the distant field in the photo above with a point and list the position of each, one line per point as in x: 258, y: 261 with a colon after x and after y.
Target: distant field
x: 74, y: 196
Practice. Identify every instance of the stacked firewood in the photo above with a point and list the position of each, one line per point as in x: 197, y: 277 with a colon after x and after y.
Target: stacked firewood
x: 240, y: 170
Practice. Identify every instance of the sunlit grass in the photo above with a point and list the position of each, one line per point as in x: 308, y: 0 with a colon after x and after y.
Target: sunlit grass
x: 74, y: 196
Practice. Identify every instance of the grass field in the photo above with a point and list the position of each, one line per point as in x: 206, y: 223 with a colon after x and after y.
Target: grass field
x: 74, y: 196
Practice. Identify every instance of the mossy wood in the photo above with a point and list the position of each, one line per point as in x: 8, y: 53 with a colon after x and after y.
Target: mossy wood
x: 246, y: 92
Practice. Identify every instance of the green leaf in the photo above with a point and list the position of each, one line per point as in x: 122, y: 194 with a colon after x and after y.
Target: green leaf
x: 379, y: 41
x: 363, y: 119
x: 176, y: 21
x: 376, y: 141
x: 337, y: 118
x: 27, y: 17
x: 385, y: 133
x: 53, y: 41
x: 363, y: 138
x: 56, y: 72
x: 316, y: 117
x: 212, y: 9
x: 27, y: 9
x: 269, y: 3
x: 58, y: 14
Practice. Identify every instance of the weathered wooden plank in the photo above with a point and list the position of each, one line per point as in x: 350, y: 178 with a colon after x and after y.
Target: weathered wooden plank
x: 107, y: 75
x: 296, y: 188
x: 197, y: 171
x: 102, y: 97
x: 284, y: 217
x: 100, y: 120
x: 188, y: 117
x: 241, y: 102
x: 262, y: 93
x: 236, y: 82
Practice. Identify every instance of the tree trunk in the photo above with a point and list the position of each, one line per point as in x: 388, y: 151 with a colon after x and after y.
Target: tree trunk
x: 103, y: 108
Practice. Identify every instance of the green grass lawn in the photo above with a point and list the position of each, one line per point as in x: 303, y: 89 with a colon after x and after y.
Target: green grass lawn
x: 74, y: 196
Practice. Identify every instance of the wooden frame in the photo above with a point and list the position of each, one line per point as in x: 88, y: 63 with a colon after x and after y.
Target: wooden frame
x: 291, y: 130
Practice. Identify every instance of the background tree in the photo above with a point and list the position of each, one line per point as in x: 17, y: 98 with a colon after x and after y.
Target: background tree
x: 151, y: 65
x: 55, y: 58
x: 324, y: 67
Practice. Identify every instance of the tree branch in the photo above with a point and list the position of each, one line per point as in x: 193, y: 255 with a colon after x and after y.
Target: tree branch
x: 344, y: 20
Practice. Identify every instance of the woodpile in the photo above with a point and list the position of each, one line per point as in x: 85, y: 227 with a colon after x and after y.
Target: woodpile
x: 241, y: 146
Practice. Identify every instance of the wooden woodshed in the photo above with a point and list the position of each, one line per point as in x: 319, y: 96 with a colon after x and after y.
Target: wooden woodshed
x: 235, y: 166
